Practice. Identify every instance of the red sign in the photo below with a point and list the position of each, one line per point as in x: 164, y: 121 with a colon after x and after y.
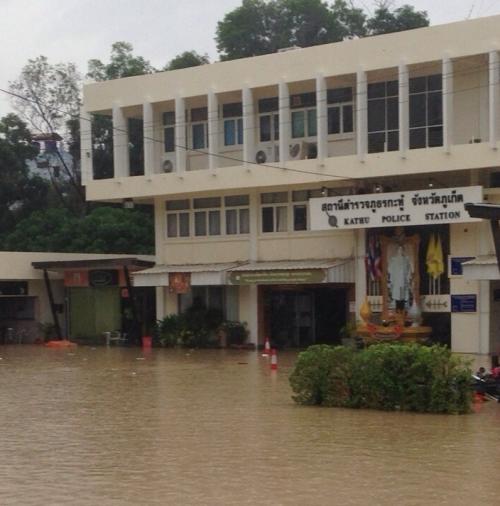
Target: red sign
x: 76, y: 278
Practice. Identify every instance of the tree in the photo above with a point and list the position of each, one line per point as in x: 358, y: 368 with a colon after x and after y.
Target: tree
x: 19, y: 192
x: 187, y: 59
x: 104, y: 230
x: 47, y: 96
x: 259, y: 27
x: 122, y: 63
x: 403, y: 18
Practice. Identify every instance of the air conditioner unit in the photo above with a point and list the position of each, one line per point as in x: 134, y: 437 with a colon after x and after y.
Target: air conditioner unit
x: 303, y: 150
x: 168, y: 164
x: 267, y: 153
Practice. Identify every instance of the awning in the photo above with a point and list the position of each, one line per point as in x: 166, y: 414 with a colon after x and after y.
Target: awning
x: 94, y: 263
x: 238, y: 273
x: 201, y: 274
x: 482, y: 268
x: 294, y: 272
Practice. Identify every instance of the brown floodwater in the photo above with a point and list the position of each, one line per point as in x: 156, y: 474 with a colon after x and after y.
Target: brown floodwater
x: 113, y: 426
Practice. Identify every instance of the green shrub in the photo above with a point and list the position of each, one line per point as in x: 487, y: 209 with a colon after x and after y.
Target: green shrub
x: 319, y: 376
x: 406, y: 377
x: 235, y: 332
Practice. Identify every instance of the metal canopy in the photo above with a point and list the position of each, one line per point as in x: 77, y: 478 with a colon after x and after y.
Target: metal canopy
x: 104, y: 263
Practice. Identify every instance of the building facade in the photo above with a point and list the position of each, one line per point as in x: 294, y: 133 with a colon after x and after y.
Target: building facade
x: 283, y: 185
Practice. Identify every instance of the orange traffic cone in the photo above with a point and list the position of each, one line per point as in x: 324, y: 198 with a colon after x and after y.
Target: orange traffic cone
x: 267, y: 347
x: 274, y: 360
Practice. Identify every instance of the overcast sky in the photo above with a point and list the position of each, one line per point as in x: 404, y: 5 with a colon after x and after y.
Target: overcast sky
x: 78, y: 30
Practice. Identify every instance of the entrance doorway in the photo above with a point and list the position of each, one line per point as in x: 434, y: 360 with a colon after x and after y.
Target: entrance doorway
x: 298, y: 316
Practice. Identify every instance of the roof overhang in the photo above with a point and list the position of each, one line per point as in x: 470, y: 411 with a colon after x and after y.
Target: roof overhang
x: 237, y: 273
x: 482, y: 268
x: 103, y: 263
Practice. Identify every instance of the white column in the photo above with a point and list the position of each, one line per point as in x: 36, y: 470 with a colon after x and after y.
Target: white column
x: 180, y: 135
x: 321, y: 117
x: 86, y: 167
x: 120, y: 143
x: 404, y: 110
x: 213, y: 130
x: 493, y: 97
x: 447, y: 104
x: 284, y: 120
x: 361, y: 114
x: 248, y: 125
x: 484, y: 317
x: 253, y: 253
x: 160, y: 235
x: 359, y: 268
x: 149, y: 145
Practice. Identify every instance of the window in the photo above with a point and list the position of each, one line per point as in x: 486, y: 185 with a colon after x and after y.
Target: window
x: 340, y: 113
x: 268, y: 119
x: 383, y: 117
x: 207, y: 297
x: 207, y: 216
x: 274, y: 212
x: 233, y: 123
x: 304, y: 123
x: 299, y: 206
x: 199, y: 128
x: 169, y: 131
x: 303, y: 115
x: 426, y: 112
x: 178, y: 218
x: 237, y: 214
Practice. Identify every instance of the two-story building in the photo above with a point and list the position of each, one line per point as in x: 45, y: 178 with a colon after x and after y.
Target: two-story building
x: 284, y: 184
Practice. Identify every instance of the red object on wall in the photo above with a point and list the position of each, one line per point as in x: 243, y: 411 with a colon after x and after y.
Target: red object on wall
x: 76, y: 278
x: 179, y: 282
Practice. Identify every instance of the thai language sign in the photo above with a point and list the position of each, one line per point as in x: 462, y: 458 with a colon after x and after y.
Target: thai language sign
x: 278, y: 277
x: 420, y: 207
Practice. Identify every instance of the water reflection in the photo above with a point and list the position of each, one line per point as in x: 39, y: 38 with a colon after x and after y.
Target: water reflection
x: 112, y: 427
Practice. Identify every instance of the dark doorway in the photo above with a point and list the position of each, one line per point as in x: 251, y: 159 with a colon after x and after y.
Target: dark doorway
x: 330, y: 314
x: 298, y: 316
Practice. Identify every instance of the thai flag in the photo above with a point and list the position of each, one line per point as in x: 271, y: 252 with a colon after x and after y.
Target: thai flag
x: 373, y: 258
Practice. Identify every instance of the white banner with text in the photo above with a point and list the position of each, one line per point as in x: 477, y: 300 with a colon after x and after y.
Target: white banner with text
x: 420, y: 207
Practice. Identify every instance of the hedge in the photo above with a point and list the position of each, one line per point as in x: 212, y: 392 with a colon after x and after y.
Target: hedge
x: 406, y: 377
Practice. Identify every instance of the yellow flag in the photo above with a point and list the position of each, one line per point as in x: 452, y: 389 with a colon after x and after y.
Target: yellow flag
x: 438, y: 257
x: 430, y: 256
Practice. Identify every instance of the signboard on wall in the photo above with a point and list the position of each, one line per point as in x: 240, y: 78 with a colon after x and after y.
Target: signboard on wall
x: 464, y: 303
x: 278, y: 277
x: 104, y: 277
x: 421, y: 207
x: 455, y: 267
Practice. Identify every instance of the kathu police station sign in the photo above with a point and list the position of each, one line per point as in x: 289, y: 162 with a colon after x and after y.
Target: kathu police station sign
x: 420, y: 207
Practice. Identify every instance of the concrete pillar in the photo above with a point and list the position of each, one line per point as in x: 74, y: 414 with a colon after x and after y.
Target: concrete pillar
x: 447, y: 104
x: 249, y: 310
x: 493, y: 97
x: 120, y: 143
x: 404, y: 110
x: 361, y: 114
x: 284, y: 121
x: 180, y: 135
x: 483, y: 303
x: 161, y: 309
x: 213, y: 130
x: 359, y: 268
x: 149, y: 144
x: 87, y: 170
x: 248, y: 125
x: 254, y: 227
x: 321, y: 117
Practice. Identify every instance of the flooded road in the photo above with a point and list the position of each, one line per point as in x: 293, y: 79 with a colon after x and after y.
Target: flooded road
x: 114, y: 426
